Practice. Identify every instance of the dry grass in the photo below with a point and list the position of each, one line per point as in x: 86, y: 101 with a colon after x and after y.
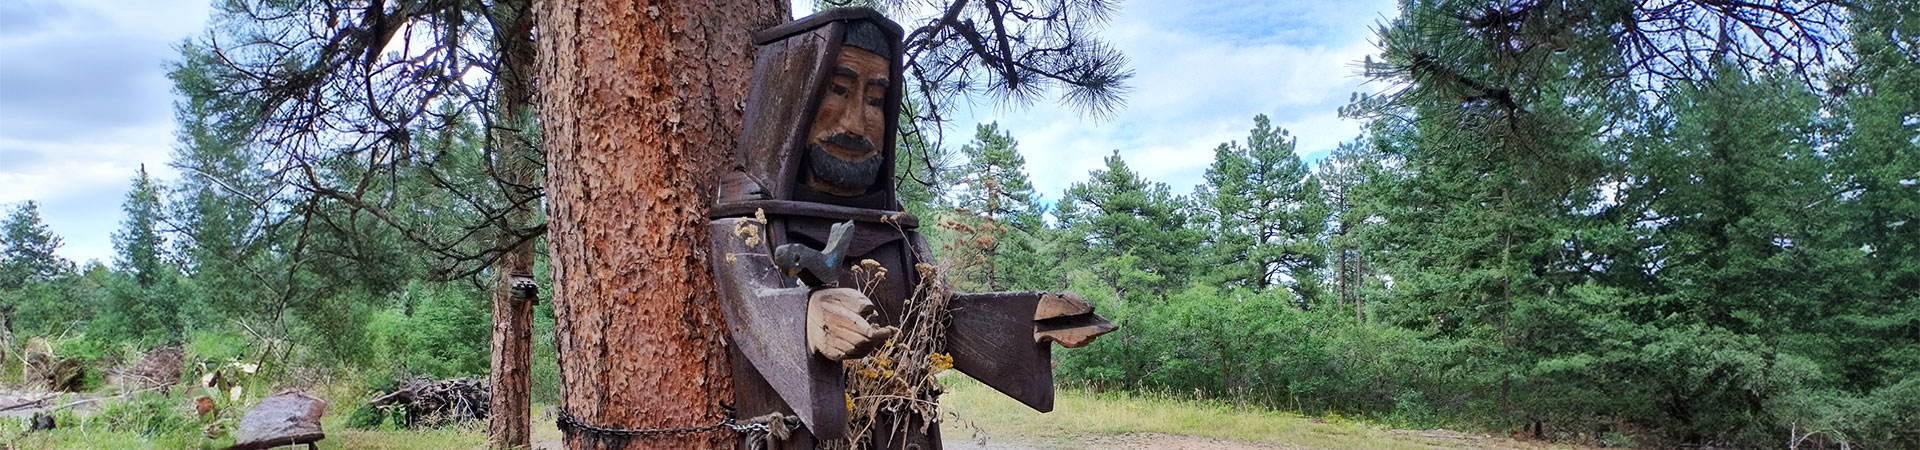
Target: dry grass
x: 1079, y: 415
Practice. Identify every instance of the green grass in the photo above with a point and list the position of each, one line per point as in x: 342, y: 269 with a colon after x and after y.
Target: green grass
x: 164, y: 422
x: 1079, y: 413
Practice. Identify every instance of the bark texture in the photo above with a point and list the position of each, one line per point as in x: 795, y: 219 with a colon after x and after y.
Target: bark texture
x: 511, y: 403
x: 640, y: 103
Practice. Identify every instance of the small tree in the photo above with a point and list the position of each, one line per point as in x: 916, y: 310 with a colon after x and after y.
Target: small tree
x: 143, y: 309
x: 27, y: 254
x: 1004, y: 214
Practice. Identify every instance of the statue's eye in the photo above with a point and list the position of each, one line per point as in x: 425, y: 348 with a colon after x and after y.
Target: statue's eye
x: 876, y: 102
x: 839, y: 90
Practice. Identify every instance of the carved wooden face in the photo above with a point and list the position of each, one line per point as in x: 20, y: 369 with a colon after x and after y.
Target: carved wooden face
x: 843, y: 146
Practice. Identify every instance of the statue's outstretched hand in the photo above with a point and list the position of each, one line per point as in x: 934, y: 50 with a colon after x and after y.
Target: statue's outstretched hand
x: 1066, y: 319
x: 837, y: 327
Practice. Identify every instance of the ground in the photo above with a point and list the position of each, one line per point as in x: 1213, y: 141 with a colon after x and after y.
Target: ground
x: 981, y: 419
x: 977, y: 419
x: 1116, y: 420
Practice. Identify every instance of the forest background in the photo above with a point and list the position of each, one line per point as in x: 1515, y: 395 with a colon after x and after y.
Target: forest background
x: 1546, y: 226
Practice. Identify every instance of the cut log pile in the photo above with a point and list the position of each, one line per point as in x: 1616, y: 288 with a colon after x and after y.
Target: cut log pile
x: 430, y: 403
x: 160, y: 367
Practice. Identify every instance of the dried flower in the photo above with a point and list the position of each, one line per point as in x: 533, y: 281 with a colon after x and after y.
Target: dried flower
x: 940, y: 362
x: 984, y: 240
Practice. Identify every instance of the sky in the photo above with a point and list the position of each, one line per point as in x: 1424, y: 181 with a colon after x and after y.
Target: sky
x: 84, y: 98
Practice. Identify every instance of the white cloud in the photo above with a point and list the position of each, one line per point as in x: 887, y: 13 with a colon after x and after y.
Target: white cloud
x: 1197, y: 86
x: 84, y: 100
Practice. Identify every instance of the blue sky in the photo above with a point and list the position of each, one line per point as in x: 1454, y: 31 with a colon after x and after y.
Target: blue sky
x: 84, y: 99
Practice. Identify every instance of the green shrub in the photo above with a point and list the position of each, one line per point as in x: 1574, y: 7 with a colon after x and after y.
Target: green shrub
x: 86, y: 349
x: 162, y: 419
x: 218, y: 345
x: 438, y: 330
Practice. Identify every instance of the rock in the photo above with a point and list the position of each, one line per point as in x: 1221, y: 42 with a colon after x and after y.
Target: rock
x: 288, y: 418
x: 42, y: 421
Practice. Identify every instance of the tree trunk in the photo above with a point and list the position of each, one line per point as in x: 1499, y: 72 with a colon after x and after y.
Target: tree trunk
x: 507, y: 424
x: 507, y: 418
x: 640, y: 104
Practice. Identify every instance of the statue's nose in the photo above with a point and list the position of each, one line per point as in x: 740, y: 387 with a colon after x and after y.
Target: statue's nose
x: 852, y: 123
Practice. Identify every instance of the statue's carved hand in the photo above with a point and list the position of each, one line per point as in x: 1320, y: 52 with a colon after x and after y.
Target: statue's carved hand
x: 1066, y: 319
x: 837, y: 327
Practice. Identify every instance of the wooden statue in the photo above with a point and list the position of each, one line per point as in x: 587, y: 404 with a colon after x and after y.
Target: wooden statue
x: 811, y: 196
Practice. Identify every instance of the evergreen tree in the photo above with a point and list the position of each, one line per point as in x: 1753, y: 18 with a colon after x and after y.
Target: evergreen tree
x: 1345, y: 177
x: 140, y: 246
x: 1734, y: 256
x: 1136, y: 239
x: 145, y: 307
x: 1130, y: 248
x: 27, y: 253
x: 1878, y: 163
x: 1004, y: 215
x: 222, y: 198
x: 1265, y: 214
x: 1494, y: 126
x: 32, y: 277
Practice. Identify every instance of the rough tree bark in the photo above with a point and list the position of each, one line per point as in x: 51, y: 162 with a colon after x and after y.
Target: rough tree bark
x: 640, y: 103
x: 507, y: 419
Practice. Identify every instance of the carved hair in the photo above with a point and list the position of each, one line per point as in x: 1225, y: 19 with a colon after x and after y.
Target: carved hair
x: 868, y: 36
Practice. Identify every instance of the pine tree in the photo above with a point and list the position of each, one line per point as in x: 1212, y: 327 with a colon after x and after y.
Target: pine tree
x: 146, y: 308
x: 32, y: 300
x: 1735, y: 252
x: 1265, y: 214
x: 1877, y: 165
x: 1345, y: 178
x: 1136, y: 237
x: 139, y: 243
x: 1004, y: 215
x: 27, y: 253
x: 1494, y: 126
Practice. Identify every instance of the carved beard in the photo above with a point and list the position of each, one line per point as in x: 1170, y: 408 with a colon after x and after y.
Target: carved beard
x: 856, y: 175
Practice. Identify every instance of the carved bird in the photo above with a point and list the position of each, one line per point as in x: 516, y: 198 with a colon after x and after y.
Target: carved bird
x: 816, y: 268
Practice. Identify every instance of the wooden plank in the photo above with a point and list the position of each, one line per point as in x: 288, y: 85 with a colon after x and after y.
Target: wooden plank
x: 836, y: 213
x: 753, y: 397
x: 767, y: 323
x: 992, y: 340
